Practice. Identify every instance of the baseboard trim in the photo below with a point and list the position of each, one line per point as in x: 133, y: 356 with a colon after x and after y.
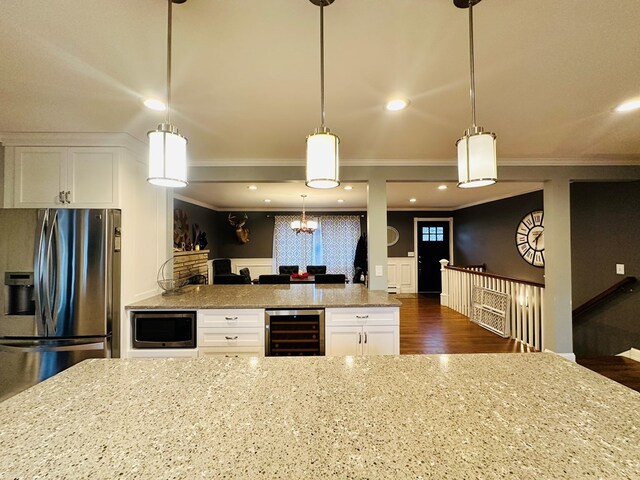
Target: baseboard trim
x: 569, y: 356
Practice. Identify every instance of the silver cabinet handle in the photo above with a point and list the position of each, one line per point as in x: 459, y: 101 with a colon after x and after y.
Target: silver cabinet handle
x: 231, y: 338
x: 362, y: 316
x: 365, y: 337
x: 66, y: 197
x: 230, y: 318
x: 61, y: 196
x: 359, y: 338
x: 231, y: 356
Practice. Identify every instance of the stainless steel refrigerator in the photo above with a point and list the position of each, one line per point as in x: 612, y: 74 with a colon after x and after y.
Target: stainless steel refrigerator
x: 71, y: 311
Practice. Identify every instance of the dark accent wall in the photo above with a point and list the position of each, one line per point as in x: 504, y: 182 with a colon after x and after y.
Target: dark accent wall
x: 205, y: 218
x: 403, y: 222
x: 605, y: 230
x: 486, y: 234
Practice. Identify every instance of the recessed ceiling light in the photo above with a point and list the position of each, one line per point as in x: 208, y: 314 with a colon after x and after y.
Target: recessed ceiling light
x: 413, y: 200
x: 340, y: 200
x: 267, y: 200
x: 442, y: 187
x: 348, y: 187
x: 397, y: 104
x: 252, y: 187
x: 628, y: 106
x: 154, y: 104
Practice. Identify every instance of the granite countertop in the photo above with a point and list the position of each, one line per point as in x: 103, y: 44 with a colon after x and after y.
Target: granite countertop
x: 512, y: 416
x: 270, y: 296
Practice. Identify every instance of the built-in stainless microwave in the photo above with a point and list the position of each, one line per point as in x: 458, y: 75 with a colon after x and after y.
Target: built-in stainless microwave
x: 164, y: 329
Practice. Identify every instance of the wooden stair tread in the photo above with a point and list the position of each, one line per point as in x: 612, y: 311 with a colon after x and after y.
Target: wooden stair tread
x: 620, y: 369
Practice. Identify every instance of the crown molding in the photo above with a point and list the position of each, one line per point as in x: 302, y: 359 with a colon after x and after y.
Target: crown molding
x: 73, y: 139
x: 193, y: 201
x: 600, y: 160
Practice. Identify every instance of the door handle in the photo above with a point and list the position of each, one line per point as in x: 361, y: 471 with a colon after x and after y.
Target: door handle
x: 362, y: 316
x: 231, y: 318
x: 231, y: 338
x: 51, y: 348
x: 61, y: 196
x: 66, y: 196
x: 365, y: 337
x: 359, y: 338
x: 39, y: 256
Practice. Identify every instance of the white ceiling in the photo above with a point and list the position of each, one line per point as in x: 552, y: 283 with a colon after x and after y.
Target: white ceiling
x: 246, y: 74
x: 286, y: 196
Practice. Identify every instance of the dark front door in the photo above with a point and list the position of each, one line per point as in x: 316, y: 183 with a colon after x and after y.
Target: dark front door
x: 433, y: 246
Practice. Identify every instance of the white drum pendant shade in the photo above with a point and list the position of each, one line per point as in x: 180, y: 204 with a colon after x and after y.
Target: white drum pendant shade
x: 167, y: 158
x: 323, y: 160
x: 477, y: 166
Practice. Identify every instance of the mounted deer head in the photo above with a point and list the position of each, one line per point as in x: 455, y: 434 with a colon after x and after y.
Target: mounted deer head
x: 242, y: 232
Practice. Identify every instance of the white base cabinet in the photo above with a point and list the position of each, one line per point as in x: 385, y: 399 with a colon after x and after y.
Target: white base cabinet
x: 231, y: 333
x: 362, y: 331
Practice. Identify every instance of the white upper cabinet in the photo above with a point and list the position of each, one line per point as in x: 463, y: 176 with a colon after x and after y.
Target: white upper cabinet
x: 76, y: 177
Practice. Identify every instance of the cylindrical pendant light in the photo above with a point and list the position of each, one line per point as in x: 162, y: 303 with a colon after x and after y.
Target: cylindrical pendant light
x: 167, y: 148
x: 477, y: 163
x: 323, y: 159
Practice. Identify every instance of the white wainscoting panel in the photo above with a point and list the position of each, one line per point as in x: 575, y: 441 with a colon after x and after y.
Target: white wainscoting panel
x: 256, y: 266
x: 402, y: 274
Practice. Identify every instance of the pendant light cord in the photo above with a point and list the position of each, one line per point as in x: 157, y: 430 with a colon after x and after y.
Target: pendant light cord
x: 169, y: 64
x: 322, y: 62
x: 472, y: 90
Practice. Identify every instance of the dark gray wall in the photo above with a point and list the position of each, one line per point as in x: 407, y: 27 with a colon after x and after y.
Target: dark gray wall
x: 403, y: 222
x: 205, y: 218
x: 605, y: 230
x: 486, y: 234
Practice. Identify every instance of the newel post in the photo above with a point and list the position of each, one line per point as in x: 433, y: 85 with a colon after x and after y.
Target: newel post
x: 444, y: 296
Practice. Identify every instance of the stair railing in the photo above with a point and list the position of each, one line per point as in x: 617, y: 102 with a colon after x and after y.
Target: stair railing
x: 526, y: 299
x: 603, y: 296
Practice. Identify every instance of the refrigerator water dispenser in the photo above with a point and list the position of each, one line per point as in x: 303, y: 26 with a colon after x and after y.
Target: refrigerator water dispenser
x: 19, y: 293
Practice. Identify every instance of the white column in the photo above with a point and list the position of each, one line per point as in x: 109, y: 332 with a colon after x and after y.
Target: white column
x: 557, y: 329
x: 377, y: 233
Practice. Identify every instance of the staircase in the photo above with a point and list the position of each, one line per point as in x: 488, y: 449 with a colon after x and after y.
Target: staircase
x: 619, y: 368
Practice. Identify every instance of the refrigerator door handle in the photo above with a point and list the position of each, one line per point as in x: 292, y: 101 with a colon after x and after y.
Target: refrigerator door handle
x: 38, y: 270
x: 49, y: 265
x: 53, y: 348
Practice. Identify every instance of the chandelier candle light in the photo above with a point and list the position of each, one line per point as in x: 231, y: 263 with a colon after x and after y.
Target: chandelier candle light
x: 303, y: 225
x: 167, y: 148
x: 322, y: 145
x: 477, y: 165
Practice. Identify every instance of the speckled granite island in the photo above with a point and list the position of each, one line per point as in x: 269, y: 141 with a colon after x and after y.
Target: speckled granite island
x: 508, y: 416
x: 270, y: 296
x: 231, y: 318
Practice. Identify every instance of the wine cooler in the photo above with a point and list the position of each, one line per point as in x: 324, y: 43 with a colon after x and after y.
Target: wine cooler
x: 294, y: 332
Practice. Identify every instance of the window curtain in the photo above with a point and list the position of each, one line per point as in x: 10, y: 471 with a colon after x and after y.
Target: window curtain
x: 332, y: 244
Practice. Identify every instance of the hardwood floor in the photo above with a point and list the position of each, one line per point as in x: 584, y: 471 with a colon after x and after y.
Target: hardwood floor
x: 427, y: 327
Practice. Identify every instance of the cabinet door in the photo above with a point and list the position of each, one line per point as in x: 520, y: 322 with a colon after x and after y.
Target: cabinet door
x: 342, y: 341
x: 92, y: 177
x: 381, y: 340
x: 39, y: 176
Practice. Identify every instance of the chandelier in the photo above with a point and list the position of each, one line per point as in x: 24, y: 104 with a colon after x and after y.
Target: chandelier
x: 303, y: 225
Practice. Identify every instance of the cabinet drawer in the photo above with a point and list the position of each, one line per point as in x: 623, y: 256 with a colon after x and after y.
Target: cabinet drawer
x: 231, y: 318
x: 229, y: 337
x: 230, y: 352
x: 362, y: 316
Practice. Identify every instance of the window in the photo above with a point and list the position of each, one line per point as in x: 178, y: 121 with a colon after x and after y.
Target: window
x: 432, y: 234
x: 333, y: 243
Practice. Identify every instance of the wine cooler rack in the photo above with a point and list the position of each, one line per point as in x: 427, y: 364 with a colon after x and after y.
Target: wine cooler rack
x: 294, y: 332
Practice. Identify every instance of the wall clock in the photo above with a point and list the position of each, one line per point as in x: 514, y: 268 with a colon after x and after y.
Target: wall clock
x: 530, y: 238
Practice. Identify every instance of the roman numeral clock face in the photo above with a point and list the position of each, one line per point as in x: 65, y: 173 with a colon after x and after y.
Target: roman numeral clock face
x: 530, y: 238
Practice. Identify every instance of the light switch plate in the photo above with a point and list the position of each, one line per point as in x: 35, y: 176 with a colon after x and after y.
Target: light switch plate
x: 620, y: 268
x: 379, y: 271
